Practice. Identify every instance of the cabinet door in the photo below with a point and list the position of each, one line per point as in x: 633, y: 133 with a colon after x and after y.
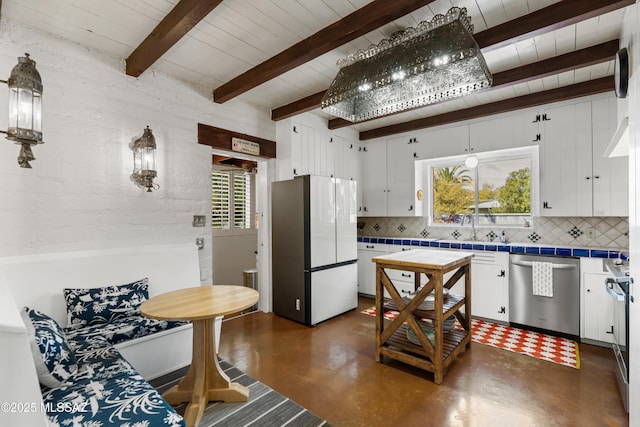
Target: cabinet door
x: 489, y: 288
x: 526, y: 128
x: 374, y: 179
x: 443, y: 142
x: 598, y: 308
x: 610, y: 175
x: 346, y: 159
x: 491, y: 134
x: 367, y: 270
x: 302, y: 139
x: 565, y: 161
x: 400, y: 177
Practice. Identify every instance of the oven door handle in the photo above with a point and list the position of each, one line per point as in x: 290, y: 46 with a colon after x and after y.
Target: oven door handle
x: 618, y: 296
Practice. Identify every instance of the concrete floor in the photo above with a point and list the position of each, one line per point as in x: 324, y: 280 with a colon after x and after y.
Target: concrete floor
x: 330, y: 369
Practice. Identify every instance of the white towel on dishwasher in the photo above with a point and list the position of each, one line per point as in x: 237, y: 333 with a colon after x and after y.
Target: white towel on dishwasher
x: 542, y: 278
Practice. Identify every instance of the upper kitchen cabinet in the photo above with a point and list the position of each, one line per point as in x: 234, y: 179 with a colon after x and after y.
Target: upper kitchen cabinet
x: 401, y: 156
x: 575, y: 178
x: 565, y: 161
x: 508, y: 131
x: 312, y: 151
x: 305, y: 149
x: 450, y: 141
x: 346, y: 158
x: 610, y: 175
x: 388, y: 182
x: 373, y: 158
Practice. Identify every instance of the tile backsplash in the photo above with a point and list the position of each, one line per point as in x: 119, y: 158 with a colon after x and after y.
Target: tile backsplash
x: 591, y: 232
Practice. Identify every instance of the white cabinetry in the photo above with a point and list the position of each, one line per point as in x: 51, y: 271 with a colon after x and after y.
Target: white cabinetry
x: 565, y: 161
x: 597, y: 305
x: 575, y: 179
x: 401, y: 177
x: 366, y: 268
x: 374, y: 179
x: 444, y: 142
x: 490, y: 285
x: 610, y: 175
x: 312, y: 151
x: 513, y: 131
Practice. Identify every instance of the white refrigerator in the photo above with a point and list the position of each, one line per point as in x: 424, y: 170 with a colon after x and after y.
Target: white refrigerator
x: 314, y: 249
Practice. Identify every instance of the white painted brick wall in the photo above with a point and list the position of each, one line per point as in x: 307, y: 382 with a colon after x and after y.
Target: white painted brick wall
x: 78, y: 194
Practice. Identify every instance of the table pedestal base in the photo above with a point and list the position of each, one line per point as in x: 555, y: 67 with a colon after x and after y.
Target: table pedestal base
x: 204, y: 381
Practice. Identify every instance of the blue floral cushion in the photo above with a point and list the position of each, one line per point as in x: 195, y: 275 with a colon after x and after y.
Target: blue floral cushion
x: 54, y: 360
x: 108, y: 393
x: 103, y: 305
x: 119, y: 330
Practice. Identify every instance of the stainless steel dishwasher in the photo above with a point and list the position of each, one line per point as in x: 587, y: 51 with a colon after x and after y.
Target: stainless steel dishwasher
x: 559, y: 313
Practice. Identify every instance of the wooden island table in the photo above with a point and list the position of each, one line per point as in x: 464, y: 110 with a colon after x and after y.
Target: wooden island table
x: 391, y: 336
x: 205, y: 381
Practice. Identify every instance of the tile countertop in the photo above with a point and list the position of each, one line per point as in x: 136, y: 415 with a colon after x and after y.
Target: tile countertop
x: 518, y: 248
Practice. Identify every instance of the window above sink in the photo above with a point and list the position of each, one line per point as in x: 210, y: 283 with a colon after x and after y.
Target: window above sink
x: 501, y: 191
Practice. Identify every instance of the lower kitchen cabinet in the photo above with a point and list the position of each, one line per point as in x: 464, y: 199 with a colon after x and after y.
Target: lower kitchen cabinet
x: 597, y: 305
x: 366, y: 268
x: 490, y: 285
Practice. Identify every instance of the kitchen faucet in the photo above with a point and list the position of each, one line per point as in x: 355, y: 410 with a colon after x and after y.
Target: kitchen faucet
x: 473, y: 229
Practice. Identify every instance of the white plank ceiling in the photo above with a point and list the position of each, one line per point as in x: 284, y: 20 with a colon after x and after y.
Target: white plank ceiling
x: 240, y: 34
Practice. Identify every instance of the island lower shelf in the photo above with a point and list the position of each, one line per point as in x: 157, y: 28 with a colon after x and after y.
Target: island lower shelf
x: 400, y: 348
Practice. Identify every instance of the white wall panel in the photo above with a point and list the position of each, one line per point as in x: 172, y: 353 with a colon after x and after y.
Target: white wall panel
x: 79, y: 196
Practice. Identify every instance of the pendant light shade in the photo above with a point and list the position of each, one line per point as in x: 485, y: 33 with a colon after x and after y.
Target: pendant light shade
x: 436, y: 61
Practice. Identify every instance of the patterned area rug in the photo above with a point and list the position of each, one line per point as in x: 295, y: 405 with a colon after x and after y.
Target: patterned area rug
x: 546, y: 347
x: 265, y: 407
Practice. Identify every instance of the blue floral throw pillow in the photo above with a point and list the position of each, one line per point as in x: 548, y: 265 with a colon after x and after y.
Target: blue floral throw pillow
x: 55, y: 361
x: 101, y: 305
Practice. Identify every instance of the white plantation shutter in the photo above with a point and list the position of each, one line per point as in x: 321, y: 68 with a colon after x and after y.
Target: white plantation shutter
x: 241, y: 200
x: 220, y: 200
x: 231, y: 201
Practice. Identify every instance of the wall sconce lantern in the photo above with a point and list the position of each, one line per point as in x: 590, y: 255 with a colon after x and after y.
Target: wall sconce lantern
x: 25, y: 108
x: 144, y: 161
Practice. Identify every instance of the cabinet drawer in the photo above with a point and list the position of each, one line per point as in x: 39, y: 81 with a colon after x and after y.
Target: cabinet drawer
x: 362, y: 246
x: 400, y: 276
x: 404, y: 288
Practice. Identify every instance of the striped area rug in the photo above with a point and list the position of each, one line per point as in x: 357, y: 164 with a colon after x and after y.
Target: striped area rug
x: 541, y: 346
x: 265, y: 406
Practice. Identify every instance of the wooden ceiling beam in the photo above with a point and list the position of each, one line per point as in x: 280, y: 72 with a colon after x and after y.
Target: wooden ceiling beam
x: 550, y: 18
x: 577, y: 90
x: 597, y: 54
x: 569, y: 61
x: 182, y: 18
x: 299, y: 106
x: 362, y: 21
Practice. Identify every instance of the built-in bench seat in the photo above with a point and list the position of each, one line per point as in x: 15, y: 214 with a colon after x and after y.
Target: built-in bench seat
x: 115, y: 358
x: 105, y: 390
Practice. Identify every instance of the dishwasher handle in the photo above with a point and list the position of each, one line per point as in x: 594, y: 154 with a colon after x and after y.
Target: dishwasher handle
x: 554, y: 266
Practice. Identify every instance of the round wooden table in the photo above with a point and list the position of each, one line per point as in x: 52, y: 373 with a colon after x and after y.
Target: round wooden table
x: 204, y: 381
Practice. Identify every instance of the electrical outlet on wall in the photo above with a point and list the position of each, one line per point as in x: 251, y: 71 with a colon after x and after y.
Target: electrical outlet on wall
x: 591, y: 233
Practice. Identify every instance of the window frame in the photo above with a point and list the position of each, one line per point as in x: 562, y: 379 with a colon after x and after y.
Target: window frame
x: 425, y: 180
